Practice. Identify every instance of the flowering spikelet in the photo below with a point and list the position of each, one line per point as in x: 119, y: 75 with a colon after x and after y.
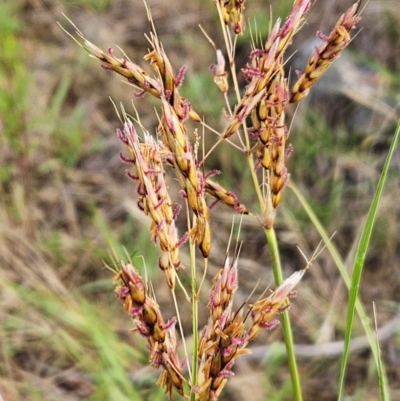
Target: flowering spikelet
x: 121, y: 65
x: 221, y: 338
x: 154, y: 199
x: 266, y: 97
x: 170, y: 83
x: 140, y: 78
x: 220, y: 75
x: 324, y: 55
x: 232, y: 13
x: 160, y: 336
x: 225, y: 337
x: 173, y: 133
x: 214, y: 189
x: 269, y: 127
x: 264, y: 63
x: 263, y: 311
x: 226, y: 197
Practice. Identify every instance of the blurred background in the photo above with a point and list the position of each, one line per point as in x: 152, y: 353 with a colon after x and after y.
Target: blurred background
x: 66, y: 205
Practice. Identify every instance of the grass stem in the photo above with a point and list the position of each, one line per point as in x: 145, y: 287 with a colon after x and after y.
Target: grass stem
x: 286, y: 325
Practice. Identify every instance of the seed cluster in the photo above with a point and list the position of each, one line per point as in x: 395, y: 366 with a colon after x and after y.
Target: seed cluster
x: 260, y: 114
x: 160, y: 336
x: 225, y: 337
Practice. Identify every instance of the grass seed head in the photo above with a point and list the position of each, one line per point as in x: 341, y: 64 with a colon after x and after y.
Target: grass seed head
x: 324, y: 55
x: 160, y: 336
x: 225, y: 337
x: 154, y: 197
x: 264, y: 102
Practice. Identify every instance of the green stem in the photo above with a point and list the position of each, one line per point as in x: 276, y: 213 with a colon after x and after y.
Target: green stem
x: 286, y: 325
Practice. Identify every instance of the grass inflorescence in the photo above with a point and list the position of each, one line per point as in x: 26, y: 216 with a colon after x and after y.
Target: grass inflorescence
x: 259, y: 116
x: 192, y: 297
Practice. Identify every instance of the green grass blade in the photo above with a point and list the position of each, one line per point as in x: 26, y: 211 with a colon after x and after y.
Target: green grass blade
x: 383, y: 389
x: 359, y: 264
x: 365, y: 321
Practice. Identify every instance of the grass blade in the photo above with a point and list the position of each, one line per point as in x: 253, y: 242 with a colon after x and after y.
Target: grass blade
x: 359, y: 265
x: 342, y: 269
x: 365, y: 321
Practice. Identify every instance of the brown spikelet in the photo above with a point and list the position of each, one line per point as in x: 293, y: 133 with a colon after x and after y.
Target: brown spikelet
x: 216, y: 349
x: 269, y: 125
x: 265, y: 100
x: 264, y: 64
x: 160, y: 62
x: 175, y: 138
x: 139, y: 77
x: 264, y: 310
x: 154, y: 198
x: 225, y: 337
x: 160, y: 336
x: 228, y: 198
x: 323, y: 57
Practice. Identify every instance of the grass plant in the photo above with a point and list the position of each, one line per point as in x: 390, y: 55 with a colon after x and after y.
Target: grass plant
x: 195, y: 167
x: 259, y: 115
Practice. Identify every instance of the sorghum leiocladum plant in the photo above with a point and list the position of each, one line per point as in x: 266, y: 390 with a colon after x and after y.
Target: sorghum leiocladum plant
x: 157, y: 158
